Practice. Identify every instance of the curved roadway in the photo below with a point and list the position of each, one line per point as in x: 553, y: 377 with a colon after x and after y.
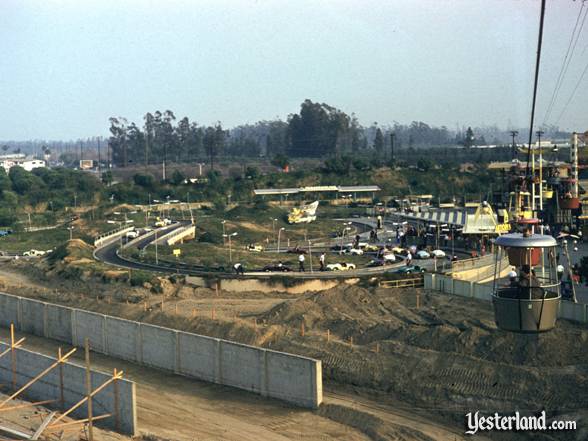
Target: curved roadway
x: 110, y: 254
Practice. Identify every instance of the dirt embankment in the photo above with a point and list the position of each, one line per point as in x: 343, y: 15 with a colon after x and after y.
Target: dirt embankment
x: 440, y: 360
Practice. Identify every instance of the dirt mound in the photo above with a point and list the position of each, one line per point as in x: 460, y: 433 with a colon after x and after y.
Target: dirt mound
x: 371, y: 425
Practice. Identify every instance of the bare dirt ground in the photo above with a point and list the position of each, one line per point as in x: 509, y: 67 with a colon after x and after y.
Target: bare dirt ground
x: 392, y: 370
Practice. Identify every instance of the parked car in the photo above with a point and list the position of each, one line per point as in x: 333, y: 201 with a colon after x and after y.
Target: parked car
x: 5, y: 232
x: 276, y: 268
x: 340, y: 266
x: 438, y: 253
x: 410, y: 269
x: 379, y: 262
x: 353, y: 251
x: 163, y: 222
x: 399, y: 250
x: 371, y: 247
x: 34, y: 253
x: 389, y: 257
x: 255, y: 248
x: 422, y: 254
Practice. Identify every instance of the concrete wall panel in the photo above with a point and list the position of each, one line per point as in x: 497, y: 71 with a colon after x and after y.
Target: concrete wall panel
x: 59, y: 320
x: 241, y: 366
x: 33, y: 317
x: 122, y: 338
x: 198, y: 356
x: 482, y: 292
x: 462, y: 288
x: 91, y: 326
x: 573, y: 311
x: 9, y: 311
x: 292, y: 379
x: 159, y: 347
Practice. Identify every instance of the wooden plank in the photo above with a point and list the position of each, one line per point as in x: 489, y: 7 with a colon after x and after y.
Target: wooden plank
x: 15, y: 433
x: 42, y: 427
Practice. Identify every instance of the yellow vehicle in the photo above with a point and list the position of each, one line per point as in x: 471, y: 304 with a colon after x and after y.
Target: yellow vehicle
x: 519, y: 206
x: 303, y: 214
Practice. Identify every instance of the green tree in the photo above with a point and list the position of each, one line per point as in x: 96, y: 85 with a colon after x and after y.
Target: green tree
x: 177, y: 177
x: 469, y: 138
x: 379, y: 142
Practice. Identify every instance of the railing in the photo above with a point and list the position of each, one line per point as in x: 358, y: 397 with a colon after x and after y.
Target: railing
x: 104, y: 237
x: 415, y: 282
x: 475, y: 262
x: 180, y: 232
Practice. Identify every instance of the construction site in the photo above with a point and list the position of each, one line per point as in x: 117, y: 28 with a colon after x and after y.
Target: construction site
x: 351, y: 362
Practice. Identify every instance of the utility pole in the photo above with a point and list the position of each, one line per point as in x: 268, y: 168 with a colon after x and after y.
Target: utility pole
x: 99, y: 159
x: 539, y: 133
x: 392, y: 136
x: 514, y: 133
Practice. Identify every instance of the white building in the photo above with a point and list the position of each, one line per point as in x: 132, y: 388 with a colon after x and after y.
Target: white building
x: 27, y: 163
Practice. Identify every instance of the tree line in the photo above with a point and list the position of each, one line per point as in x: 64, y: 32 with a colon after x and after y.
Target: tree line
x: 318, y: 130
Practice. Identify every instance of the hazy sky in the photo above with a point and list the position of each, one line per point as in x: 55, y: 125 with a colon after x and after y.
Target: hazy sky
x: 67, y: 66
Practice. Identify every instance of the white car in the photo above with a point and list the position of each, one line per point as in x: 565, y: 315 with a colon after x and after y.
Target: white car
x: 389, y: 257
x: 34, y: 253
x: 132, y: 234
x: 422, y: 254
x: 360, y: 245
x: 340, y: 266
x: 438, y: 253
x: 353, y: 251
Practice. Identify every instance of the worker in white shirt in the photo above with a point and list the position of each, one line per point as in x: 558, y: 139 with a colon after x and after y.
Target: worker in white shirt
x: 322, y: 261
x: 560, y: 271
x: 301, y: 260
x: 512, y: 276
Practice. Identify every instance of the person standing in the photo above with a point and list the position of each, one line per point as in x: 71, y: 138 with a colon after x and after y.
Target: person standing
x: 322, y: 261
x: 301, y: 260
x: 408, y: 259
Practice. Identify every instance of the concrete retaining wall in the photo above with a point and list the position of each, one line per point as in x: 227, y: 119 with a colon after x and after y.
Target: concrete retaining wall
x: 289, y: 377
x: 110, y: 236
x: 577, y: 312
x: 29, y: 364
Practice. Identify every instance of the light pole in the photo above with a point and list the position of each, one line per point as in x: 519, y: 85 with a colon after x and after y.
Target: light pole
x: 345, y: 228
x: 279, y: 233
x: 156, y: 249
x: 310, y: 255
x: 70, y: 228
x: 230, y: 248
x: 274, y: 225
x: 224, y: 234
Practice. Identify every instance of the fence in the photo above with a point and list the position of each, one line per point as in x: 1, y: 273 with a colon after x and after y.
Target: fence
x: 577, y: 312
x: 403, y: 283
x: 288, y: 377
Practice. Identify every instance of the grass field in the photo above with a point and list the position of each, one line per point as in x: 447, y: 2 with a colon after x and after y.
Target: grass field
x: 257, y: 225
x: 38, y: 240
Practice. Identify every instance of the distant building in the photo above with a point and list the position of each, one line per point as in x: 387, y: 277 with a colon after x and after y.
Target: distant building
x: 86, y: 164
x: 7, y: 162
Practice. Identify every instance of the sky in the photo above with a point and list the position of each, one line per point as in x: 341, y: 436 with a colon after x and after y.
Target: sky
x: 66, y: 66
